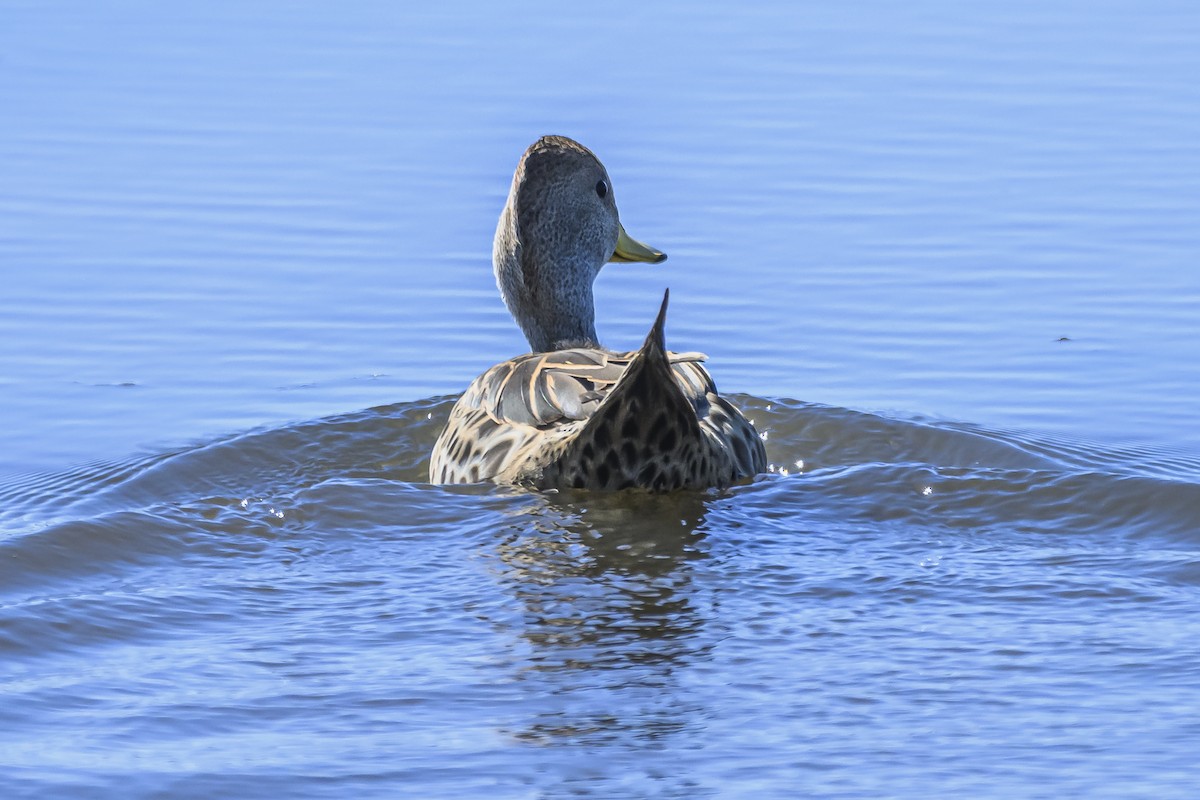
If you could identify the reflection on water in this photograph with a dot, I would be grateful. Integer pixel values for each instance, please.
(609, 608)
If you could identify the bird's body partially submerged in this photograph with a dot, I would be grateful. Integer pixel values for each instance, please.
(586, 418)
(573, 414)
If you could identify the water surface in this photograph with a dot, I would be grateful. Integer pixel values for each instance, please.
(944, 255)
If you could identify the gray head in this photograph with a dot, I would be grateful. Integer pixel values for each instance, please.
(558, 228)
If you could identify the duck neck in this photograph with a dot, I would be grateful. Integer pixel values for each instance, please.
(560, 330)
(553, 304)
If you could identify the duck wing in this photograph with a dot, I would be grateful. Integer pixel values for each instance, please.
(519, 408)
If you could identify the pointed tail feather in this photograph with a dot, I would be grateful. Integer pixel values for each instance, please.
(649, 381)
(640, 432)
(655, 340)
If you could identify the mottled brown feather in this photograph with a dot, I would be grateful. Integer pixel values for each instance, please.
(588, 418)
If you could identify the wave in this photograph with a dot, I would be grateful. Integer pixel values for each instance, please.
(824, 460)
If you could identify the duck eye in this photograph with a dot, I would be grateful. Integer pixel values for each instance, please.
(602, 188)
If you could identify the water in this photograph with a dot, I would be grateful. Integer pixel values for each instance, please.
(944, 255)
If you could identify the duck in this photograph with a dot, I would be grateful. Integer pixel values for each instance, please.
(572, 414)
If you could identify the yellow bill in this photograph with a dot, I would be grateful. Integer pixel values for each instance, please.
(630, 249)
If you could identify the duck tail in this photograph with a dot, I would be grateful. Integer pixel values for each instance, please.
(655, 345)
(648, 383)
(642, 426)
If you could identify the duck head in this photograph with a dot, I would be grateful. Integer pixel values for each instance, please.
(558, 228)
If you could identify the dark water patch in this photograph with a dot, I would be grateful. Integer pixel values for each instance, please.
(989, 501)
(805, 436)
(1145, 460)
(821, 436)
(942, 473)
(27, 497)
(392, 442)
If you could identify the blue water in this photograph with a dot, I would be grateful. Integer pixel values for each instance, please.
(944, 255)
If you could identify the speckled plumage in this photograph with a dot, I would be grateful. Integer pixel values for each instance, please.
(572, 414)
